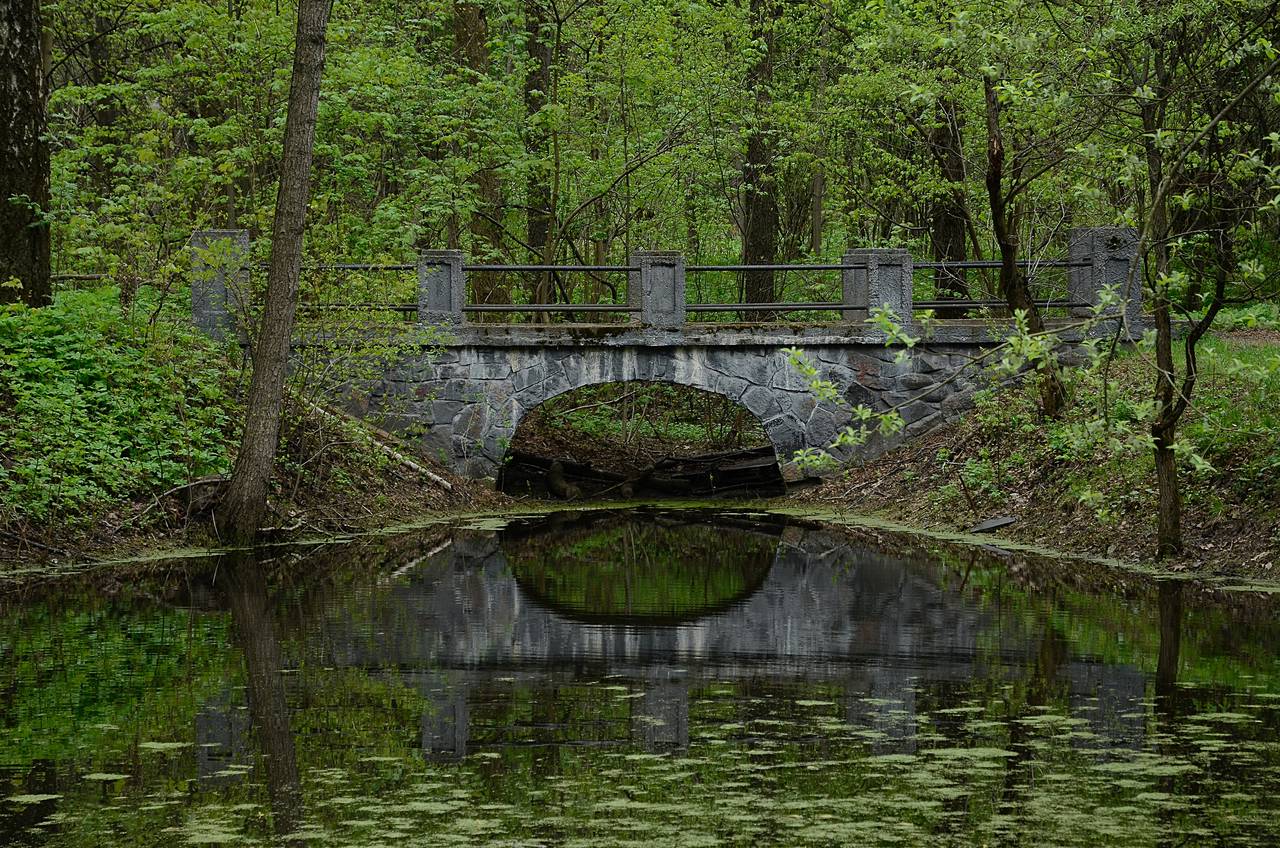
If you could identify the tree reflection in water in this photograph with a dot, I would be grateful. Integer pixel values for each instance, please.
(242, 578)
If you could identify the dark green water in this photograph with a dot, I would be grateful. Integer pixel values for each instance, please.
(640, 678)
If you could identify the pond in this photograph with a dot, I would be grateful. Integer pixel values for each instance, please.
(639, 677)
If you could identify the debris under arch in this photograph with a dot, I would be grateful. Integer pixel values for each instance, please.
(640, 440)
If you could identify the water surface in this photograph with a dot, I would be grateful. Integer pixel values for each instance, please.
(639, 678)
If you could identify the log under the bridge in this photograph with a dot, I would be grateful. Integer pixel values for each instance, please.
(749, 471)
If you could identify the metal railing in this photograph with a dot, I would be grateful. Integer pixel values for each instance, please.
(655, 294)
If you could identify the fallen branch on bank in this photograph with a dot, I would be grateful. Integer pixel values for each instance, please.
(380, 439)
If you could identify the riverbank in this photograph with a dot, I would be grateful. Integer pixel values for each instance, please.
(1002, 461)
(122, 425)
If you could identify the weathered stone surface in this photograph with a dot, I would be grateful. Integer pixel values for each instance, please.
(916, 381)
(957, 403)
(924, 425)
(473, 398)
(914, 412)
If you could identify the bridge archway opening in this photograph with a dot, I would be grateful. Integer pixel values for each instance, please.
(640, 439)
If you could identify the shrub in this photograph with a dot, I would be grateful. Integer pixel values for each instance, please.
(102, 407)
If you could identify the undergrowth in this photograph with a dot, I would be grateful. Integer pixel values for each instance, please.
(103, 407)
(110, 414)
(1005, 457)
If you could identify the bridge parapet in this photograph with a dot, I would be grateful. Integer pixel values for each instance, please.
(656, 294)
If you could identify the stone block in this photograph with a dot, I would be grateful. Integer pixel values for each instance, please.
(916, 411)
(915, 381)
(442, 287)
(444, 411)
(924, 425)
(219, 279)
(956, 403)
(657, 288)
(761, 402)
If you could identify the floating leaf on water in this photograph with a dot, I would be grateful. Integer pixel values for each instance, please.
(971, 753)
(163, 746)
(901, 759)
(1226, 718)
(31, 799)
(105, 776)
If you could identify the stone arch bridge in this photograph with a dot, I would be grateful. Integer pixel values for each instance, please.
(468, 397)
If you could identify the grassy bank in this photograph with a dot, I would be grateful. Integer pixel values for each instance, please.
(120, 423)
(1071, 487)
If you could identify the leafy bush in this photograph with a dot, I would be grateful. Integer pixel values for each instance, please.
(102, 407)
(1257, 316)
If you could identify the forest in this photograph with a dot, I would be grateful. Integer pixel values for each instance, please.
(640, 422)
(977, 136)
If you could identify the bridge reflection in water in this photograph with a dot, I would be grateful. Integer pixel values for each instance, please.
(667, 606)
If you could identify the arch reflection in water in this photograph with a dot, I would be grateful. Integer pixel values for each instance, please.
(865, 688)
(544, 605)
(640, 568)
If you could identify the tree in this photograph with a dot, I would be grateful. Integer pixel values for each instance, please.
(540, 211)
(759, 171)
(244, 504)
(24, 157)
(1198, 68)
(471, 51)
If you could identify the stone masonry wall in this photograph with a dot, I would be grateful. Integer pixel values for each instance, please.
(469, 400)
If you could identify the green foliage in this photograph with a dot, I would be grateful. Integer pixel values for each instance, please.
(1099, 452)
(1258, 316)
(103, 408)
(674, 415)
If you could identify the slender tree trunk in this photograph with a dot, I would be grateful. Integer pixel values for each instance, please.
(24, 157)
(471, 46)
(1013, 282)
(244, 505)
(818, 192)
(537, 85)
(1164, 428)
(760, 202)
(948, 218)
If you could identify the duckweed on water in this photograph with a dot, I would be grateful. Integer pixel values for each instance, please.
(809, 691)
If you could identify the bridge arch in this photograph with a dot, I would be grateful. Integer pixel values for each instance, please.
(774, 428)
(480, 395)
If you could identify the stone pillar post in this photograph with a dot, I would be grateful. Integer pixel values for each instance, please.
(442, 287)
(657, 288)
(1109, 253)
(854, 285)
(219, 279)
(884, 281)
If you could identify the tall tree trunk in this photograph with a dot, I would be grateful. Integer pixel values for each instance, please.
(1013, 282)
(537, 84)
(1164, 428)
(760, 202)
(471, 46)
(245, 503)
(24, 157)
(948, 219)
(818, 188)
